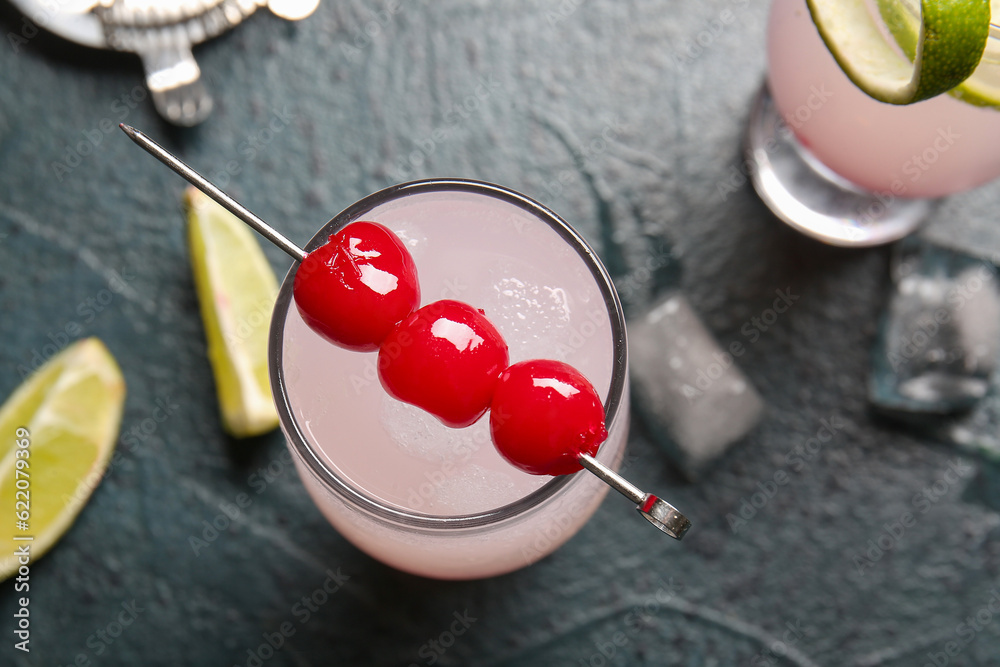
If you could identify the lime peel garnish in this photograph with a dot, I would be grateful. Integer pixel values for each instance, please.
(949, 46)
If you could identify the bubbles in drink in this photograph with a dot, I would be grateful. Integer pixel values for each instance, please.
(533, 316)
(476, 489)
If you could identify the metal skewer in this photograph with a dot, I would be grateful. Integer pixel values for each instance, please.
(202, 183)
(655, 510)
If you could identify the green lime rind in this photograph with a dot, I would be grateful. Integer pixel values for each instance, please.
(982, 88)
(949, 46)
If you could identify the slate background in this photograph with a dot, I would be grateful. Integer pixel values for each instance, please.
(554, 83)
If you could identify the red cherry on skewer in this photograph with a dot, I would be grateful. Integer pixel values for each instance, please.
(356, 288)
(445, 358)
(545, 414)
(547, 419)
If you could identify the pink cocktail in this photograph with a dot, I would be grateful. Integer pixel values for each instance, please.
(393, 480)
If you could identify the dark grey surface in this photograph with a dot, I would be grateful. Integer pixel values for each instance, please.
(551, 85)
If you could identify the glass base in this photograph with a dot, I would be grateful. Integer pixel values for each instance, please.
(810, 197)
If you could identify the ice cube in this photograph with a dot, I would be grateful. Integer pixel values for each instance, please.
(940, 334)
(976, 431)
(421, 434)
(687, 390)
(463, 474)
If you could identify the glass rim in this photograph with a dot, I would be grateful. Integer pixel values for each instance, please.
(350, 492)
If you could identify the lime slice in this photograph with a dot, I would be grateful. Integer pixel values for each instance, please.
(948, 47)
(68, 412)
(236, 291)
(983, 87)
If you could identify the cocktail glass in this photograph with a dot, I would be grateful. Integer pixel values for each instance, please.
(410, 492)
(844, 168)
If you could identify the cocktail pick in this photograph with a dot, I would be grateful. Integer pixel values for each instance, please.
(655, 510)
(658, 512)
(224, 200)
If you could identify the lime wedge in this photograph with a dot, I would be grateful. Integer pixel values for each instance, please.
(983, 87)
(236, 291)
(68, 414)
(946, 50)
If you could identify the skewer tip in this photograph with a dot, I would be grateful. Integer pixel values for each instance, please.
(200, 182)
(657, 511)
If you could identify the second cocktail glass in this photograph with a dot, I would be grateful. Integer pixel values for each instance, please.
(849, 170)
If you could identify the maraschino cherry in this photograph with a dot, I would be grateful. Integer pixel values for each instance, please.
(445, 358)
(544, 414)
(357, 287)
